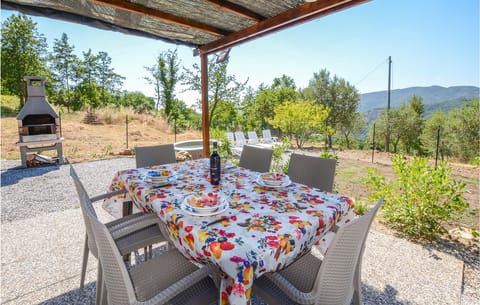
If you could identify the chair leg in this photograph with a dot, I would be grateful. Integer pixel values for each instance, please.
(357, 284)
(84, 262)
(145, 253)
(100, 291)
(150, 248)
(104, 299)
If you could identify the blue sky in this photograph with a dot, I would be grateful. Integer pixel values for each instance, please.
(432, 42)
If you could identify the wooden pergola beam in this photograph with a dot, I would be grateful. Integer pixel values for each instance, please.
(236, 9)
(300, 14)
(151, 12)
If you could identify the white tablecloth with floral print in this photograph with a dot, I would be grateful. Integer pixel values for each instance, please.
(264, 229)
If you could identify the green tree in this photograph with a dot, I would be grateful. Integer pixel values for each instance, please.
(299, 120)
(23, 53)
(223, 88)
(165, 75)
(64, 64)
(429, 135)
(464, 125)
(352, 126)
(267, 98)
(338, 95)
(416, 104)
(137, 100)
(108, 81)
(409, 127)
(405, 126)
(88, 88)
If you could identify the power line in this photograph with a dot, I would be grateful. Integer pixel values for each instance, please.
(373, 70)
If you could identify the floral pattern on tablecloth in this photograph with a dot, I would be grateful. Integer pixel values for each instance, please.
(263, 230)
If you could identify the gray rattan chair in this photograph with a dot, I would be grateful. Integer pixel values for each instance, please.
(154, 155)
(312, 171)
(166, 279)
(335, 280)
(256, 158)
(131, 233)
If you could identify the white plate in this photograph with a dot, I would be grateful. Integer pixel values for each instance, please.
(221, 208)
(285, 183)
(159, 183)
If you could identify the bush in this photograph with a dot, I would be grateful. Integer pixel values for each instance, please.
(278, 164)
(422, 200)
(361, 208)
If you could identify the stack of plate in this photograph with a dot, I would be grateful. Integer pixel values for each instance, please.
(205, 204)
(273, 179)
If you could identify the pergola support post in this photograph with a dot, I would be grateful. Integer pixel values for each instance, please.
(204, 85)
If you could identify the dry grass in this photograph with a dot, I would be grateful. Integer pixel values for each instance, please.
(84, 142)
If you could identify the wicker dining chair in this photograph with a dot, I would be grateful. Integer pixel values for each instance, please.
(165, 279)
(154, 155)
(333, 280)
(131, 233)
(256, 158)
(312, 171)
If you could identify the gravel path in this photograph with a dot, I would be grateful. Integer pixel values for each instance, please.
(42, 235)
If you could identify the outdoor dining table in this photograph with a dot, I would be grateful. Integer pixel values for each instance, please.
(262, 229)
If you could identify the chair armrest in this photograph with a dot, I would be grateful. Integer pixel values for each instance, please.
(181, 285)
(291, 291)
(106, 195)
(132, 223)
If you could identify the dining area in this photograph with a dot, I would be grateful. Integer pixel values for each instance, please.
(43, 237)
(229, 240)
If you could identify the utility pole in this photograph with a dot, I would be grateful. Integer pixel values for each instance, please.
(387, 140)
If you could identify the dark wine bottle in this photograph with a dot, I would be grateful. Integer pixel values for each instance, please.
(215, 166)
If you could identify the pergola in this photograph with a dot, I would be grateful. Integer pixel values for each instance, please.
(208, 26)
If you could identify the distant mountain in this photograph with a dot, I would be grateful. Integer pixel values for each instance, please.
(430, 95)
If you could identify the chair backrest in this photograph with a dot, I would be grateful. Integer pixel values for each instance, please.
(230, 138)
(334, 281)
(252, 138)
(240, 138)
(267, 136)
(86, 205)
(115, 274)
(256, 158)
(154, 155)
(312, 171)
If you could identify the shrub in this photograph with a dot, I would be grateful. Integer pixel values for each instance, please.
(361, 208)
(278, 164)
(422, 200)
(329, 154)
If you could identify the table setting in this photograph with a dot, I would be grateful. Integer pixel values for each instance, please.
(249, 224)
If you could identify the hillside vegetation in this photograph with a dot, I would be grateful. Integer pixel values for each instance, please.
(433, 95)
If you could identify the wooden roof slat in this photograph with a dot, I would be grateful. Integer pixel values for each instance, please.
(300, 14)
(151, 12)
(236, 9)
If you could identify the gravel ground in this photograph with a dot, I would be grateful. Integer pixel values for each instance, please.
(42, 238)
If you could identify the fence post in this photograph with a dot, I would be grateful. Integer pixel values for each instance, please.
(126, 129)
(175, 127)
(373, 142)
(438, 143)
(60, 122)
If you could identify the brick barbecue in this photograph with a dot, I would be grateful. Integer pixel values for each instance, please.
(38, 124)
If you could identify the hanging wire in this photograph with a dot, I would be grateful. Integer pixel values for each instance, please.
(369, 73)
